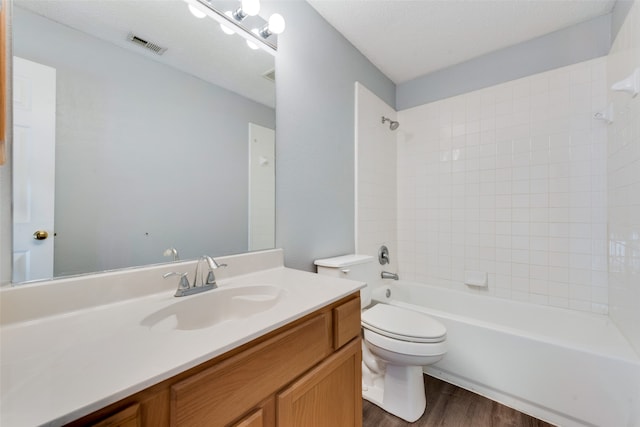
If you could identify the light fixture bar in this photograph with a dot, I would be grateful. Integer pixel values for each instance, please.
(239, 14)
(264, 31)
(242, 31)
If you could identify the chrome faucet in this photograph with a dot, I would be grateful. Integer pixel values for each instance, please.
(211, 278)
(184, 288)
(389, 275)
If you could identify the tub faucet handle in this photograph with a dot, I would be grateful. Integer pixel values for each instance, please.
(383, 255)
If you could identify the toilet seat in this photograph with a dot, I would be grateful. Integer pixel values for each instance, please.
(402, 324)
(404, 348)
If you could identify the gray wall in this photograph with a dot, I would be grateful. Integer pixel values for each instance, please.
(588, 40)
(618, 15)
(316, 73)
(126, 190)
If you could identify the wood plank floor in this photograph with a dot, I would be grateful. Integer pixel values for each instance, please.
(451, 406)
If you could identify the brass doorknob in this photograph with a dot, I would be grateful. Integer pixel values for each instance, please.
(40, 235)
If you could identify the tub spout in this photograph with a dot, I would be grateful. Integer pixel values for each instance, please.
(388, 275)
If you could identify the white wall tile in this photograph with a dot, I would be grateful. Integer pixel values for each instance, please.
(518, 187)
(377, 223)
(623, 179)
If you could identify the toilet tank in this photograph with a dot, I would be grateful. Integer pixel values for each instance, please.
(354, 267)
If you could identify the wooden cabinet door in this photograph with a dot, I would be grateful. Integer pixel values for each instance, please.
(329, 395)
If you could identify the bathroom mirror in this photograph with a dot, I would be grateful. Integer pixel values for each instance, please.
(142, 151)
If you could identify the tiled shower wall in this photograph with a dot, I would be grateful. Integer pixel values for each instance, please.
(375, 176)
(510, 181)
(624, 184)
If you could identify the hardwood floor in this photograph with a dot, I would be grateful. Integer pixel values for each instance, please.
(451, 406)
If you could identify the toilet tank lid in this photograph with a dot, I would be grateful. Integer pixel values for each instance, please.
(343, 261)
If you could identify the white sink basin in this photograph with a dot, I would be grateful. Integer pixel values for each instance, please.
(213, 307)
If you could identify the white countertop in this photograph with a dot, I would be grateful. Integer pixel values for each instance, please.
(61, 367)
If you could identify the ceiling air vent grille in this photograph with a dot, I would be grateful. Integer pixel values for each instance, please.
(270, 75)
(146, 44)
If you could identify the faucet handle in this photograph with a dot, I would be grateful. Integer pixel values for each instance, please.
(211, 278)
(213, 264)
(184, 280)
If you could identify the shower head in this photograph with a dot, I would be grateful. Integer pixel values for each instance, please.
(393, 125)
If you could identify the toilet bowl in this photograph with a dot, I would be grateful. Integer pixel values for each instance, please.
(397, 343)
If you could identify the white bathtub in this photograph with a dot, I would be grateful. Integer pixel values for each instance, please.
(566, 367)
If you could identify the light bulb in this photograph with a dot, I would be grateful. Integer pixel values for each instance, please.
(252, 44)
(227, 28)
(196, 12)
(251, 7)
(276, 23)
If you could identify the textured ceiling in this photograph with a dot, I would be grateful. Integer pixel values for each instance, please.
(406, 39)
(195, 46)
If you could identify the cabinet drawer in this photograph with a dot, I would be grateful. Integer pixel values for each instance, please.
(236, 385)
(346, 321)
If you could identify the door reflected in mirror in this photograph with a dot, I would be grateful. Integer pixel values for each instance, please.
(125, 152)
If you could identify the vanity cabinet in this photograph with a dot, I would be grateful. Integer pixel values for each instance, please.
(306, 373)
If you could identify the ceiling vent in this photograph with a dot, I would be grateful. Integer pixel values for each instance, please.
(146, 44)
(270, 75)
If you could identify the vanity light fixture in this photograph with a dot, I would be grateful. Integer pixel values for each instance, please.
(275, 25)
(244, 21)
(248, 8)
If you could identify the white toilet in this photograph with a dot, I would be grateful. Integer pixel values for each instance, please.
(397, 342)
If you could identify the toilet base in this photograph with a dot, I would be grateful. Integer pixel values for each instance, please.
(399, 391)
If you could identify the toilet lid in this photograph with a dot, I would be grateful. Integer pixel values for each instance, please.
(403, 324)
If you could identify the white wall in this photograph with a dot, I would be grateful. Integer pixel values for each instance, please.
(376, 202)
(623, 173)
(509, 180)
